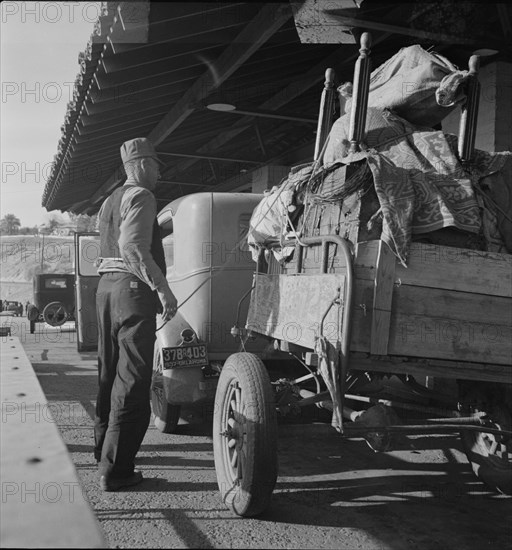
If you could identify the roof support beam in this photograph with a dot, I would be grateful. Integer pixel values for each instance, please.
(133, 77)
(268, 21)
(271, 114)
(296, 88)
(132, 94)
(194, 156)
(385, 27)
(284, 96)
(148, 53)
(96, 138)
(157, 100)
(214, 173)
(244, 179)
(260, 139)
(194, 27)
(119, 123)
(156, 106)
(240, 181)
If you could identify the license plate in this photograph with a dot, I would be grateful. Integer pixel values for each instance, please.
(185, 356)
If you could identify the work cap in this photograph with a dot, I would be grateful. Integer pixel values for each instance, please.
(138, 148)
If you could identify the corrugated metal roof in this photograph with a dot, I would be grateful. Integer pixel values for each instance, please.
(150, 69)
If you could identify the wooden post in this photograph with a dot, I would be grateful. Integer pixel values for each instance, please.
(360, 95)
(325, 113)
(382, 298)
(469, 115)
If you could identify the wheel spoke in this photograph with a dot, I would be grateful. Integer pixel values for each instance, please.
(234, 457)
(238, 398)
(232, 443)
(231, 422)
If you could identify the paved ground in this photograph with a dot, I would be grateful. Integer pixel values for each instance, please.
(331, 493)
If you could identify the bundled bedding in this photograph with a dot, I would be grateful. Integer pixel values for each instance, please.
(406, 184)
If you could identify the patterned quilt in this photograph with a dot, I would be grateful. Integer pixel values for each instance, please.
(419, 181)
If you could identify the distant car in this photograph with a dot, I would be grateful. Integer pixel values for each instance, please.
(14, 307)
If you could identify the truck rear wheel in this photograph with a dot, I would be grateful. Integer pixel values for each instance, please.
(245, 435)
(166, 416)
(55, 314)
(490, 455)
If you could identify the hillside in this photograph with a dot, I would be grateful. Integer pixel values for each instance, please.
(23, 256)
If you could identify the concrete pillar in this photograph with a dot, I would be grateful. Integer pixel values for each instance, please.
(267, 176)
(494, 126)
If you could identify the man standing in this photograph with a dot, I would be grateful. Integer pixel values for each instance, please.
(131, 290)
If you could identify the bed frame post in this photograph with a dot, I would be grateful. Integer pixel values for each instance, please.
(469, 115)
(360, 94)
(326, 112)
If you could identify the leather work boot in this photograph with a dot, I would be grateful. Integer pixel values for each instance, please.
(116, 483)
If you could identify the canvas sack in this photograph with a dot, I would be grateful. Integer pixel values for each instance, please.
(407, 84)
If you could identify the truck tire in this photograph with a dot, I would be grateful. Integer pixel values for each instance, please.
(245, 435)
(165, 416)
(490, 455)
(55, 314)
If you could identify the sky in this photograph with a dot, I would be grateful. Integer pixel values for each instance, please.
(40, 43)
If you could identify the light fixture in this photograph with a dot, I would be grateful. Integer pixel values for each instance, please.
(221, 107)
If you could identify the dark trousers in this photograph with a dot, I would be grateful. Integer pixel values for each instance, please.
(127, 326)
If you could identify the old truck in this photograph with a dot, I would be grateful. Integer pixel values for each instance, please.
(345, 317)
(339, 323)
(54, 299)
(209, 268)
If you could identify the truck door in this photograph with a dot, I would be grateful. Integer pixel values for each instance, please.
(87, 251)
